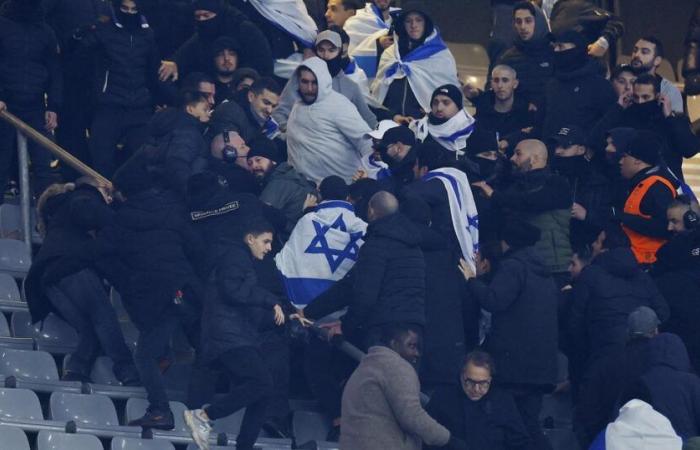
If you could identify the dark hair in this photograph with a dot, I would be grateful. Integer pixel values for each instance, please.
(584, 253)
(243, 73)
(352, 4)
(618, 69)
(344, 37)
(649, 79)
(256, 226)
(430, 155)
(188, 97)
(658, 45)
(480, 358)
(525, 5)
(191, 81)
(393, 331)
(265, 83)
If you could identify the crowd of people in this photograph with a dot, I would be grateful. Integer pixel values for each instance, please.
(281, 183)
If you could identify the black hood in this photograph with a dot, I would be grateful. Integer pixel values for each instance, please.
(619, 262)
(397, 227)
(530, 257)
(169, 120)
(668, 350)
(149, 209)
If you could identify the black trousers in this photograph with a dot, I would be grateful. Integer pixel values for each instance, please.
(528, 400)
(251, 389)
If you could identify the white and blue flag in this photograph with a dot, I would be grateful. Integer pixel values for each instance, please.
(451, 135)
(322, 248)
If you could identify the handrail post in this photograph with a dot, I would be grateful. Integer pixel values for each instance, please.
(25, 191)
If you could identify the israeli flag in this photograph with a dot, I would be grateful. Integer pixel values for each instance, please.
(322, 248)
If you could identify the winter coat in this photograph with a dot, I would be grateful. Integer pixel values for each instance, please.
(171, 21)
(281, 42)
(237, 178)
(182, 149)
(68, 245)
(532, 61)
(587, 18)
(29, 65)
(230, 116)
(381, 406)
(326, 137)
(492, 423)
(580, 97)
(605, 293)
(542, 199)
(66, 16)
(148, 254)
(389, 276)
(234, 301)
(342, 84)
(286, 190)
(195, 54)
(522, 299)
(127, 64)
(673, 390)
(508, 125)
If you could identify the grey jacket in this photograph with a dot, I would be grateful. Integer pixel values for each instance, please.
(381, 407)
(286, 190)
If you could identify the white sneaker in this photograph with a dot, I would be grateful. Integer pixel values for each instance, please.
(199, 427)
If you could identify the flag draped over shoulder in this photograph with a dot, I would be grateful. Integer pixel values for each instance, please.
(465, 217)
(452, 135)
(322, 248)
(291, 16)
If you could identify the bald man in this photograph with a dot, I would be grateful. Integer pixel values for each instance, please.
(228, 158)
(540, 198)
(503, 109)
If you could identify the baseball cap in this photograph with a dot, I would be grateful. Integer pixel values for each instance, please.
(330, 36)
(568, 136)
(382, 127)
(642, 322)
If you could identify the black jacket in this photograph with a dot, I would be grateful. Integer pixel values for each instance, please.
(522, 299)
(605, 293)
(670, 387)
(182, 150)
(237, 178)
(510, 125)
(67, 16)
(29, 65)
(195, 54)
(126, 64)
(68, 245)
(234, 300)
(587, 18)
(400, 99)
(492, 423)
(148, 254)
(580, 97)
(171, 21)
(532, 61)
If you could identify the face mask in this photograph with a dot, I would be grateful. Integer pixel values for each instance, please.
(645, 110)
(569, 60)
(129, 21)
(335, 65)
(209, 29)
(569, 166)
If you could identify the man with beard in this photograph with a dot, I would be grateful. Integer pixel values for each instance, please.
(330, 48)
(540, 198)
(578, 94)
(590, 189)
(651, 110)
(225, 62)
(448, 123)
(30, 84)
(229, 159)
(213, 19)
(647, 55)
(283, 187)
(622, 78)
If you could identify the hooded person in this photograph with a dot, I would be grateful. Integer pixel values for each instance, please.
(329, 48)
(325, 132)
(414, 66)
(448, 123)
(369, 31)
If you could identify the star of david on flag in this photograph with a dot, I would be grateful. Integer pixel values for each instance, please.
(334, 256)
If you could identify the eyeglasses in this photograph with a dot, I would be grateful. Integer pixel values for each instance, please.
(481, 385)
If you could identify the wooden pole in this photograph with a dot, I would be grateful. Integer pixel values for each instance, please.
(54, 148)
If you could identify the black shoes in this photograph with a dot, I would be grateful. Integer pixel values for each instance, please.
(160, 420)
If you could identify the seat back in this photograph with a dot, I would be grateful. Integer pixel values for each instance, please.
(8, 289)
(14, 258)
(88, 409)
(29, 365)
(51, 330)
(20, 404)
(309, 426)
(124, 443)
(52, 440)
(13, 438)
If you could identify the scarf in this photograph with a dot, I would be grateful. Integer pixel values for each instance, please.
(452, 134)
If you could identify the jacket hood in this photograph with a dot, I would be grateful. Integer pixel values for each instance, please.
(668, 350)
(323, 76)
(530, 257)
(169, 120)
(619, 262)
(397, 227)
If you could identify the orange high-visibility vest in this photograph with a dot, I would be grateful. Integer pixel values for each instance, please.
(644, 247)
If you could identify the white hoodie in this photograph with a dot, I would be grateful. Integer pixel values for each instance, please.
(326, 137)
(640, 427)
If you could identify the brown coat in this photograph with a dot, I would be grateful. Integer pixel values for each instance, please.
(381, 407)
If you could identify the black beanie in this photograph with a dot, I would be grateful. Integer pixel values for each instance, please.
(451, 91)
(333, 188)
(224, 43)
(262, 146)
(519, 234)
(646, 147)
(399, 134)
(214, 6)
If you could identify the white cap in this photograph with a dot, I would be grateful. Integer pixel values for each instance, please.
(330, 36)
(382, 127)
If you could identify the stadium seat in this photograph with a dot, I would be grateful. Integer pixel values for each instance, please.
(21, 408)
(11, 223)
(122, 443)
(52, 334)
(92, 414)
(14, 258)
(104, 382)
(13, 438)
(9, 292)
(48, 440)
(309, 426)
(6, 339)
(33, 370)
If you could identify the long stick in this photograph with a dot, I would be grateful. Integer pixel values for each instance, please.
(51, 146)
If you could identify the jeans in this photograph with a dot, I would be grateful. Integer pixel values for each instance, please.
(251, 389)
(82, 301)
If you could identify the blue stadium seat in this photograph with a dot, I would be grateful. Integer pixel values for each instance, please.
(92, 414)
(52, 334)
(9, 292)
(48, 440)
(33, 370)
(121, 443)
(21, 408)
(14, 258)
(13, 438)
